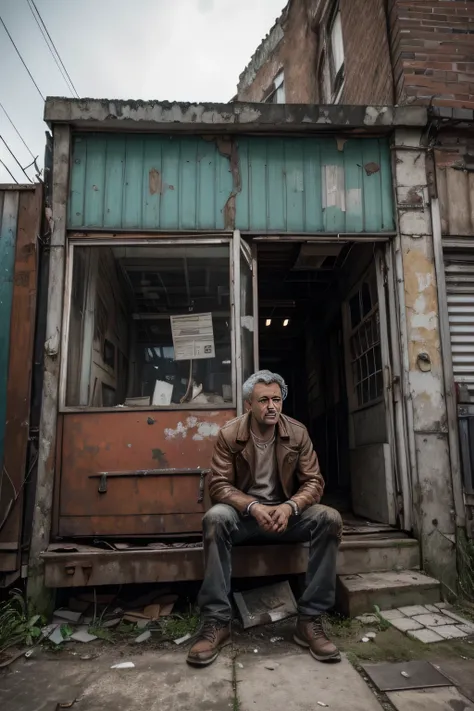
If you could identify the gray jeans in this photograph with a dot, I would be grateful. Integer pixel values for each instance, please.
(224, 527)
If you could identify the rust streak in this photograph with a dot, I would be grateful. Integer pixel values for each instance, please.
(155, 183)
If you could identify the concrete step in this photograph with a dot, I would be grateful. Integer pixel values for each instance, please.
(374, 555)
(359, 593)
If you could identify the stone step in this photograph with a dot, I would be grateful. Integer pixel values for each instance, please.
(374, 555)
(359, 593)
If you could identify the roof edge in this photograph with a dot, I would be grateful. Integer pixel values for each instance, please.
(238, 117)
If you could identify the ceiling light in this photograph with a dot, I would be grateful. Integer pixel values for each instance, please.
(268, 322)
(286, 322)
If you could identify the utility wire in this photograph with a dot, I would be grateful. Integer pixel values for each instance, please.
(49, 47)
(16, 130)
(22, 60)
(64, 71)
(9, 172)
(15, 158)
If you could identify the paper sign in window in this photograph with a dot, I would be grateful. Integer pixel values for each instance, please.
(193, 336)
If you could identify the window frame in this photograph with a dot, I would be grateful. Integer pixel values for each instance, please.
(88, 240)
(276, 87)
(350, 332)
(326, 64)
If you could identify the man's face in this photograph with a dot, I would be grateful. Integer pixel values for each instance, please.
(266, 403)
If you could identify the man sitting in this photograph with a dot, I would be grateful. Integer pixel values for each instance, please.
(265, 482)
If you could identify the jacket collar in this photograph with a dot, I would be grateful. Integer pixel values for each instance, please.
(243, 433)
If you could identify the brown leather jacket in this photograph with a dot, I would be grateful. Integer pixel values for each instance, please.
(233, 463)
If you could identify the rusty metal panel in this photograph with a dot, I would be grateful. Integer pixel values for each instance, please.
(94, 444)
(20, 331)
(252, 183)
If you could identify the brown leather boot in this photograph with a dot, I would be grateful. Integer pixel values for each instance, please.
(212, 637)
(310, 633)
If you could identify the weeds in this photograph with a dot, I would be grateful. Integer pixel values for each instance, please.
(177, 626)
(17, 627)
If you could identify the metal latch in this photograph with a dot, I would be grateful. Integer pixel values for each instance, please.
(103, 483)
(201, 485)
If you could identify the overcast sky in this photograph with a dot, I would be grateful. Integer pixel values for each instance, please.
(184, 50)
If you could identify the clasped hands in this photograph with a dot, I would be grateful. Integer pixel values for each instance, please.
(272, 519)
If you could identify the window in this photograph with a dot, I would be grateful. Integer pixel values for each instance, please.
(365, 349)
(277, 92)
(150, 326)
(331, 61)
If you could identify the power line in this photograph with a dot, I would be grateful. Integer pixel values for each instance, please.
(16, 130)
(22, 60)
(60, 65)
(48, 46)
(9, 172)
(14, 157)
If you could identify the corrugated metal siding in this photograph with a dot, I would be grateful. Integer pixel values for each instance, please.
(459, 271)
(150, 182)
(8, 225)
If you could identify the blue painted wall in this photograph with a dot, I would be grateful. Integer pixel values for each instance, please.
(8, 224)
(155, 182)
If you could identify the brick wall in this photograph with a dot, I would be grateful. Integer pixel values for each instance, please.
(432, 45)
(367, 65)
(368, 69)
(295, 54)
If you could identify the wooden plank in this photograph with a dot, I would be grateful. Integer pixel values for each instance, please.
(49, 409)
(22, 330)
(458, 201)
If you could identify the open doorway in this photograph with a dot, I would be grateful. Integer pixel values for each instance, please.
(320, 327)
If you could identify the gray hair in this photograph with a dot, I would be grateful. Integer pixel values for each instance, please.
(267, 377)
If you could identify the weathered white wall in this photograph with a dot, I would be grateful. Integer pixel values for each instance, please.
(422, 360)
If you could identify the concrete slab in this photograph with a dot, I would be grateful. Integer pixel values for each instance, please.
(450, 632)
(161, 682)
(460, 673)
(412, 610)
(426, 636)
(432, 620)
(299, 683)
(42, 683)
(357, 594)
(392, 614)
(446, 698)
(404, 624)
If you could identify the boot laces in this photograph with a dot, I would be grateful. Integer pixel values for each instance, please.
(317, 627)
(209, 631)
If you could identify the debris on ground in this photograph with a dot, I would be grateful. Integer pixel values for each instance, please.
(276, 639)
(261, 606)
(56, 636)
(68, 615)
(83, 636)
(123, 665)
(143, 637)
(184, 639)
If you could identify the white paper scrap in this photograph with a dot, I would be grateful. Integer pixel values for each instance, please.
(193, 336)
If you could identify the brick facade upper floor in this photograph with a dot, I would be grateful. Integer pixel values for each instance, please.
(366, 51)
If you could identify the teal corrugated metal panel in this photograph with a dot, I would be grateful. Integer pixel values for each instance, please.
(8, 224)
(292, 184)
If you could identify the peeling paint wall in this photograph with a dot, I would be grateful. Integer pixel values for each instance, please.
(425, 400)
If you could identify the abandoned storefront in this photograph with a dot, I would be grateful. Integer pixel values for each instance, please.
(195, 244)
